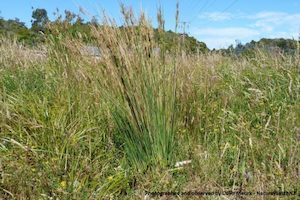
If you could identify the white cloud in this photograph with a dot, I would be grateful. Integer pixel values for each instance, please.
(223, 37)
(267, 15)
(230, 32)
(216, 16)
(268, 24)
(268, 21)
(220, 42)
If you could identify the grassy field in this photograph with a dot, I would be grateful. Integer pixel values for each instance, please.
(76, 127)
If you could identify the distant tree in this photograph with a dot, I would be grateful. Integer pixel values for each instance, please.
(169, 39)
(239, 48)
(269, 45)
(69, 16)
(14, 28)
(58, 16)
(40, 19)
(94, 21)
(79, 20)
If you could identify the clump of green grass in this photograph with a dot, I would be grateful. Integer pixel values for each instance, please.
(145, 85)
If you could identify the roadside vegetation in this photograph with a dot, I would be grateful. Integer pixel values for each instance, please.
(81, 127)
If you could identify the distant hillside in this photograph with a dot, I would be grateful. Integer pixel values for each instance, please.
(278, 44)
(73, 25)
(15, 28)
(191, 44)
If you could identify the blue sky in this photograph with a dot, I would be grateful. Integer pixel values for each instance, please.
(216, 22)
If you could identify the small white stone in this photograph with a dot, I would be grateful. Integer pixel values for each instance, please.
(181, 163)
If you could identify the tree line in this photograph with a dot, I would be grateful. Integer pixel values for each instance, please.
(73, 25)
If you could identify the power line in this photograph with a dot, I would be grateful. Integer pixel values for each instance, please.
(185, 24)
(230, 5)
(224, 10)
(201, 9)
(191, 4)
(191, 7)
(205, 5)
(211, 4)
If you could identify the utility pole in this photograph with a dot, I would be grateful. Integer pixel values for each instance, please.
(298, 44)
(185, 25)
